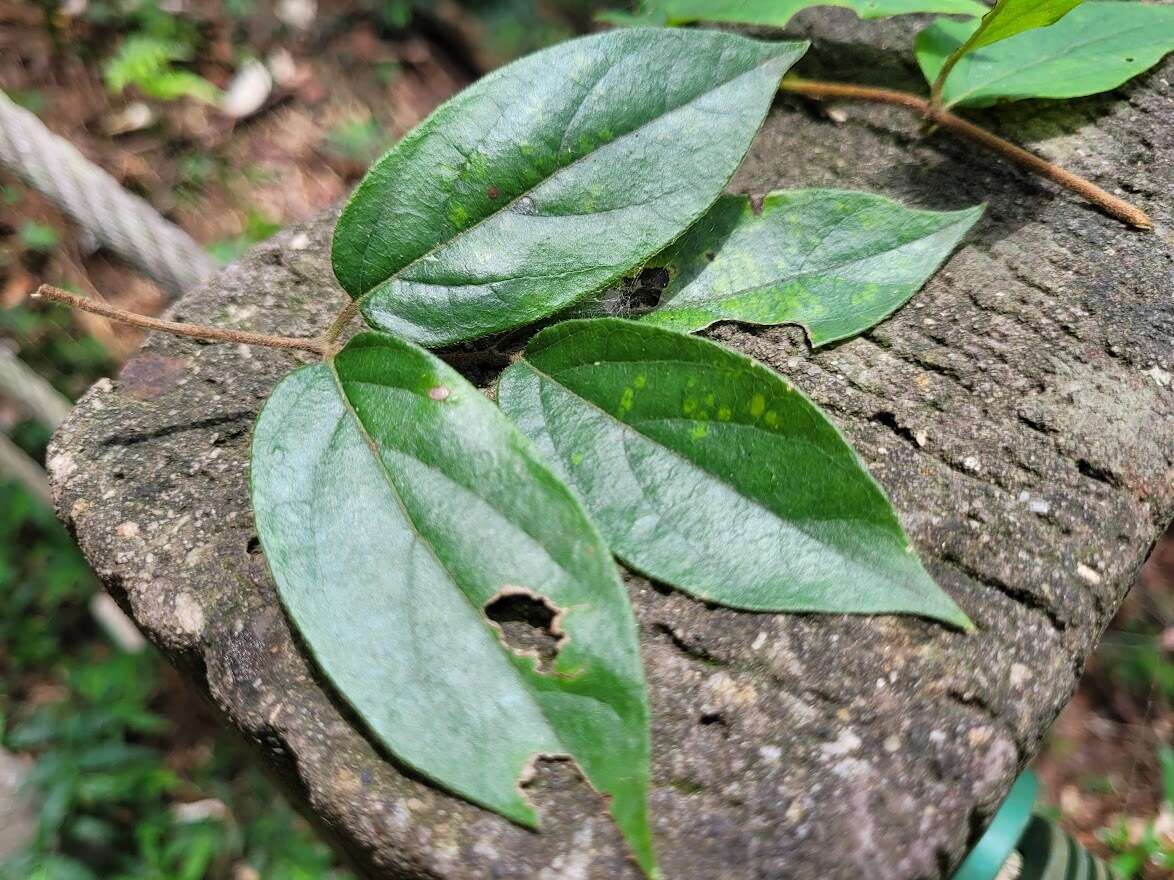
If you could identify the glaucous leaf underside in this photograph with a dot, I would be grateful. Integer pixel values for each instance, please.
(550, 178)
(833, 261)
(394, 503)
(708, 471)
(1094, 48)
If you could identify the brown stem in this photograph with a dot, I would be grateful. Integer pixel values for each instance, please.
(330, 337)
(197, 331)
(824, 91)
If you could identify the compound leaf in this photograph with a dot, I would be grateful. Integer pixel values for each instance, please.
(708, 471)
(836, 262)
(395, 505)
(776, 13)
(1094, 48)
(550, 178)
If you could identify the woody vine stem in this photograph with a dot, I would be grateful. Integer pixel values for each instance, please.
(931, 112)
(319, 346)
(325, 346)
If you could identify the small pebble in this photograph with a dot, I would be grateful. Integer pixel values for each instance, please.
(1089, 574)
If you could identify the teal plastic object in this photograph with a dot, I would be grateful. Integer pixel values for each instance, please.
(1050, 854)
(1004, 832)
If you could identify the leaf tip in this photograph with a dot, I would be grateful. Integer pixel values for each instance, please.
(962, 622)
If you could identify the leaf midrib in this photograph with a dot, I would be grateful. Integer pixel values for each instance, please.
(1047, 59)
(363, 297)
(735, 490)
(399, 501)
(800, 273)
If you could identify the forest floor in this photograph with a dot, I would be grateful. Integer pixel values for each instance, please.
(133, 777)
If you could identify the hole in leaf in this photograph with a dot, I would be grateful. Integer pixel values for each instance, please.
(645, 291)
(529, 624)
(710, 256)
(654, 279)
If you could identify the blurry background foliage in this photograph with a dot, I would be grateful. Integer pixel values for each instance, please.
(128, 775)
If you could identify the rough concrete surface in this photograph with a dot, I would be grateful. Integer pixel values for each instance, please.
(1019, 411)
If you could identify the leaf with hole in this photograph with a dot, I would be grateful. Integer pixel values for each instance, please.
(708, 471)
(834, 261)
(550, 178)
(1094, 48)
(395, 504)
(777, 13)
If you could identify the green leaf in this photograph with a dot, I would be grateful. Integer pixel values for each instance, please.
(835, 262)
(708, 471)
(1096, 47)
(394, 504)
(776, 13)
(1166, 762)
(551, 177)
(1006, 19)
(1011, 17)
(147, 62)
(38, 237)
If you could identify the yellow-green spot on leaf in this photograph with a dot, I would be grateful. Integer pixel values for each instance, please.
(865, 295)
(689, 406)
(457, 215)
(724, 414)
(621, 165)
(765, 520)
(626, 399)
(576, 458)
(640, 381)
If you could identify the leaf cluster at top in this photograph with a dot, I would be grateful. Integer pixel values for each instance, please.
(1017, 49)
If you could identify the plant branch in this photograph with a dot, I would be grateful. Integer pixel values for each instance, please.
(825, 91)
(330, 337)
(935, 90)
(196, 331)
